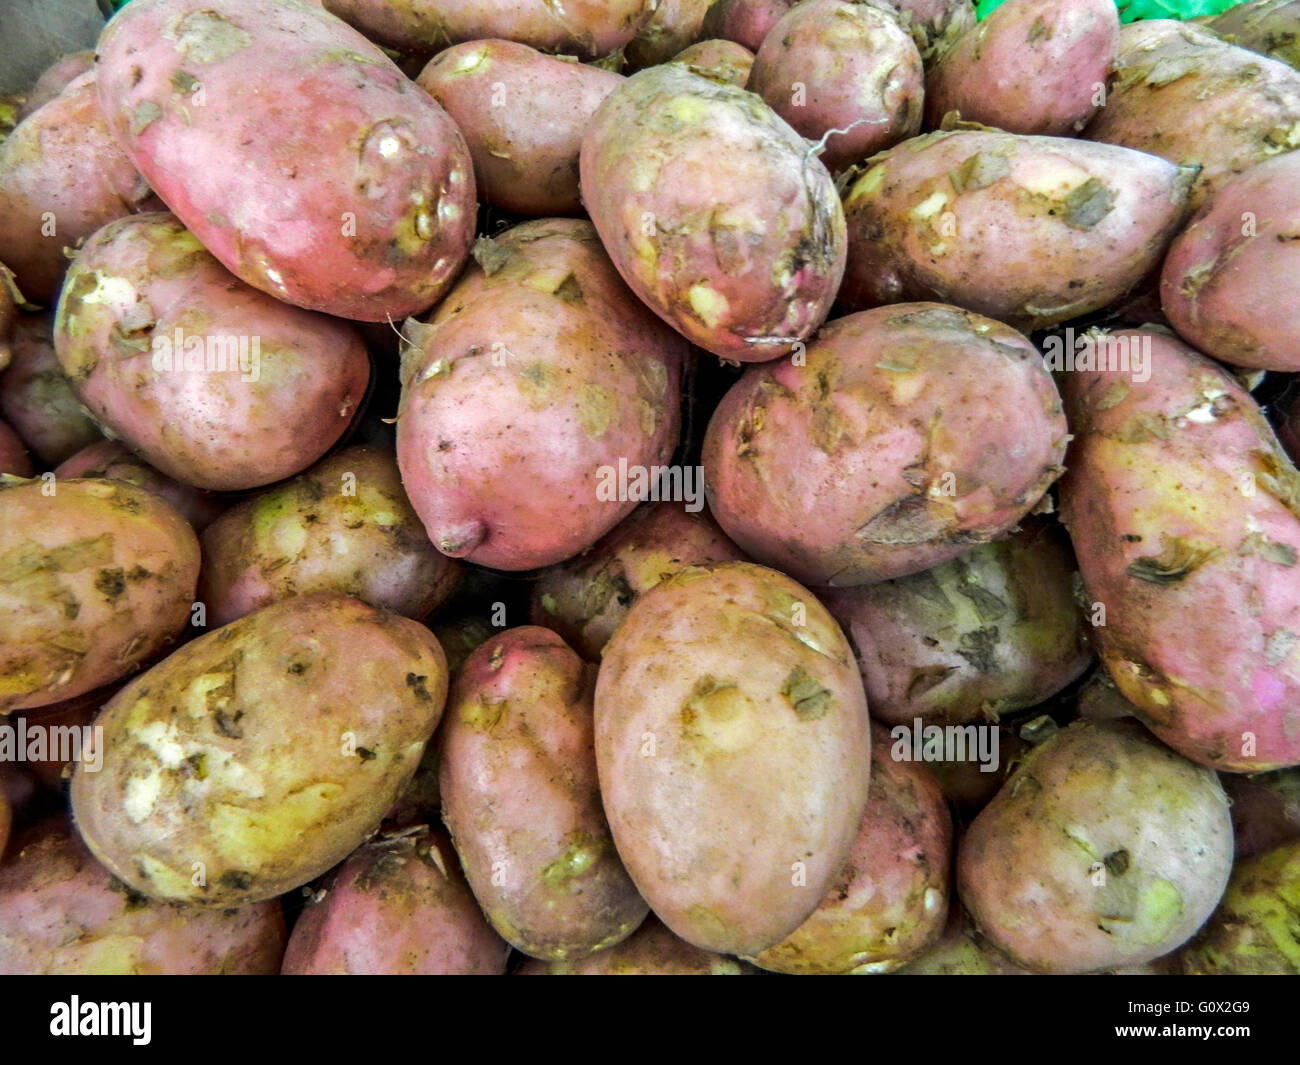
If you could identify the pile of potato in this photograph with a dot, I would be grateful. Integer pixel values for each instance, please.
(518, 487)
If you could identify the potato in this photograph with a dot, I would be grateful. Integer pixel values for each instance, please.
(1183, 512)
(1270, 27)
(14, 459)
(110, 460)
(1032, 66)
(1229, 284)
(733, 748)
(10, 298)
(747, 22)
(62, 913)
(674, 26)
(890, 901)
(1029, 230)
(744, 260)
(962, 951)
(969, 783)
(1254, 931)
(586, 599)
(651, 950)
(343, 526)
(877, 453)
(576, 27)
(257, 756)
(991, 632)
(1184, 94)
(294, 149)
(718, 60)
(55, 78)
(846, 74)
(521, 799)
(1265, 810)
(935, 25)
(36, 397)
(213, 383)
(398, 907)
(1103, 849)
(62, 176)
(532, 385)
(96, 577)
(523, 115)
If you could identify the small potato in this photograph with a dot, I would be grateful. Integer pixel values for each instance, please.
(398, 907)
(343, 526)
(259, 755)
(675, 25)
(96, 577)
(62, 913)
(1104, 849)
(651, 950)
(14, 459)
(110, 460)
(747, 22)
(523, 115)
(521, 799)
(733, 746)
(1265, 809)
(717, 60)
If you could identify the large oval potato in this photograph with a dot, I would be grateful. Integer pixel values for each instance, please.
(522, 802)
(215, 384)
(743, 260)
(295, 150)
(259, 755)
(734, 751)
(96, 577)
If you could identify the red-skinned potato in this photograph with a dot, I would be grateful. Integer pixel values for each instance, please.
(213, 383)
(651, 950)
(870, 456)
(675, 25)
(343, 189)
(111, 460)
(260, 755)
(55, 78)
(718, 60)
(14, 459)
(747, 22)
(523, 115)
(399, 906)
(521, 799)
(743, 261)
(96, 577)
(532, 385)
(733, 746)
(1265, 809)
(61, 912)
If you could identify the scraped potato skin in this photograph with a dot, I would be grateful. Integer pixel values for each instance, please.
(722, 680)
(343, 526)
(111, 460)
(61, 164)
(1183, 508)
(1270, 27)
(36, 397)
(522, 802)
(540, 371)
(586, 599)
(259, 755)
(62, 913)
(14, 459)
(96, 577)
(342, 187)
(523, 115)
(890, 901)
(1184, 94)
(398, 907)
(1104, 849)
(1032, 66)
(1028, 230)
(993, 631)
(718, 60)
(588, 28)
(743, 260)
(1228, 284)
(144, 282)
(900, 439)
(651, 950)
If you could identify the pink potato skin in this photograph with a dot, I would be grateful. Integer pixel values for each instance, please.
(746, 22)
(55, 78)
(1186, 95)
(881, 455)
(651, 950)
(1182, 509)
(523, 115)
(521, 799)
(1031, 231)
(63, 913)
(110, 459)
(98, 577)
(13, 455)
(1032, 66)
(1232, 290)
(62, 162)
(342, 187)
(36, 397)
(744, 260)
(855, 63)
(539, 370)
(718, 60)
(141, 280)
(399, 906)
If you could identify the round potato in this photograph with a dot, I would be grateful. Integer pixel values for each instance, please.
(717, 60)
